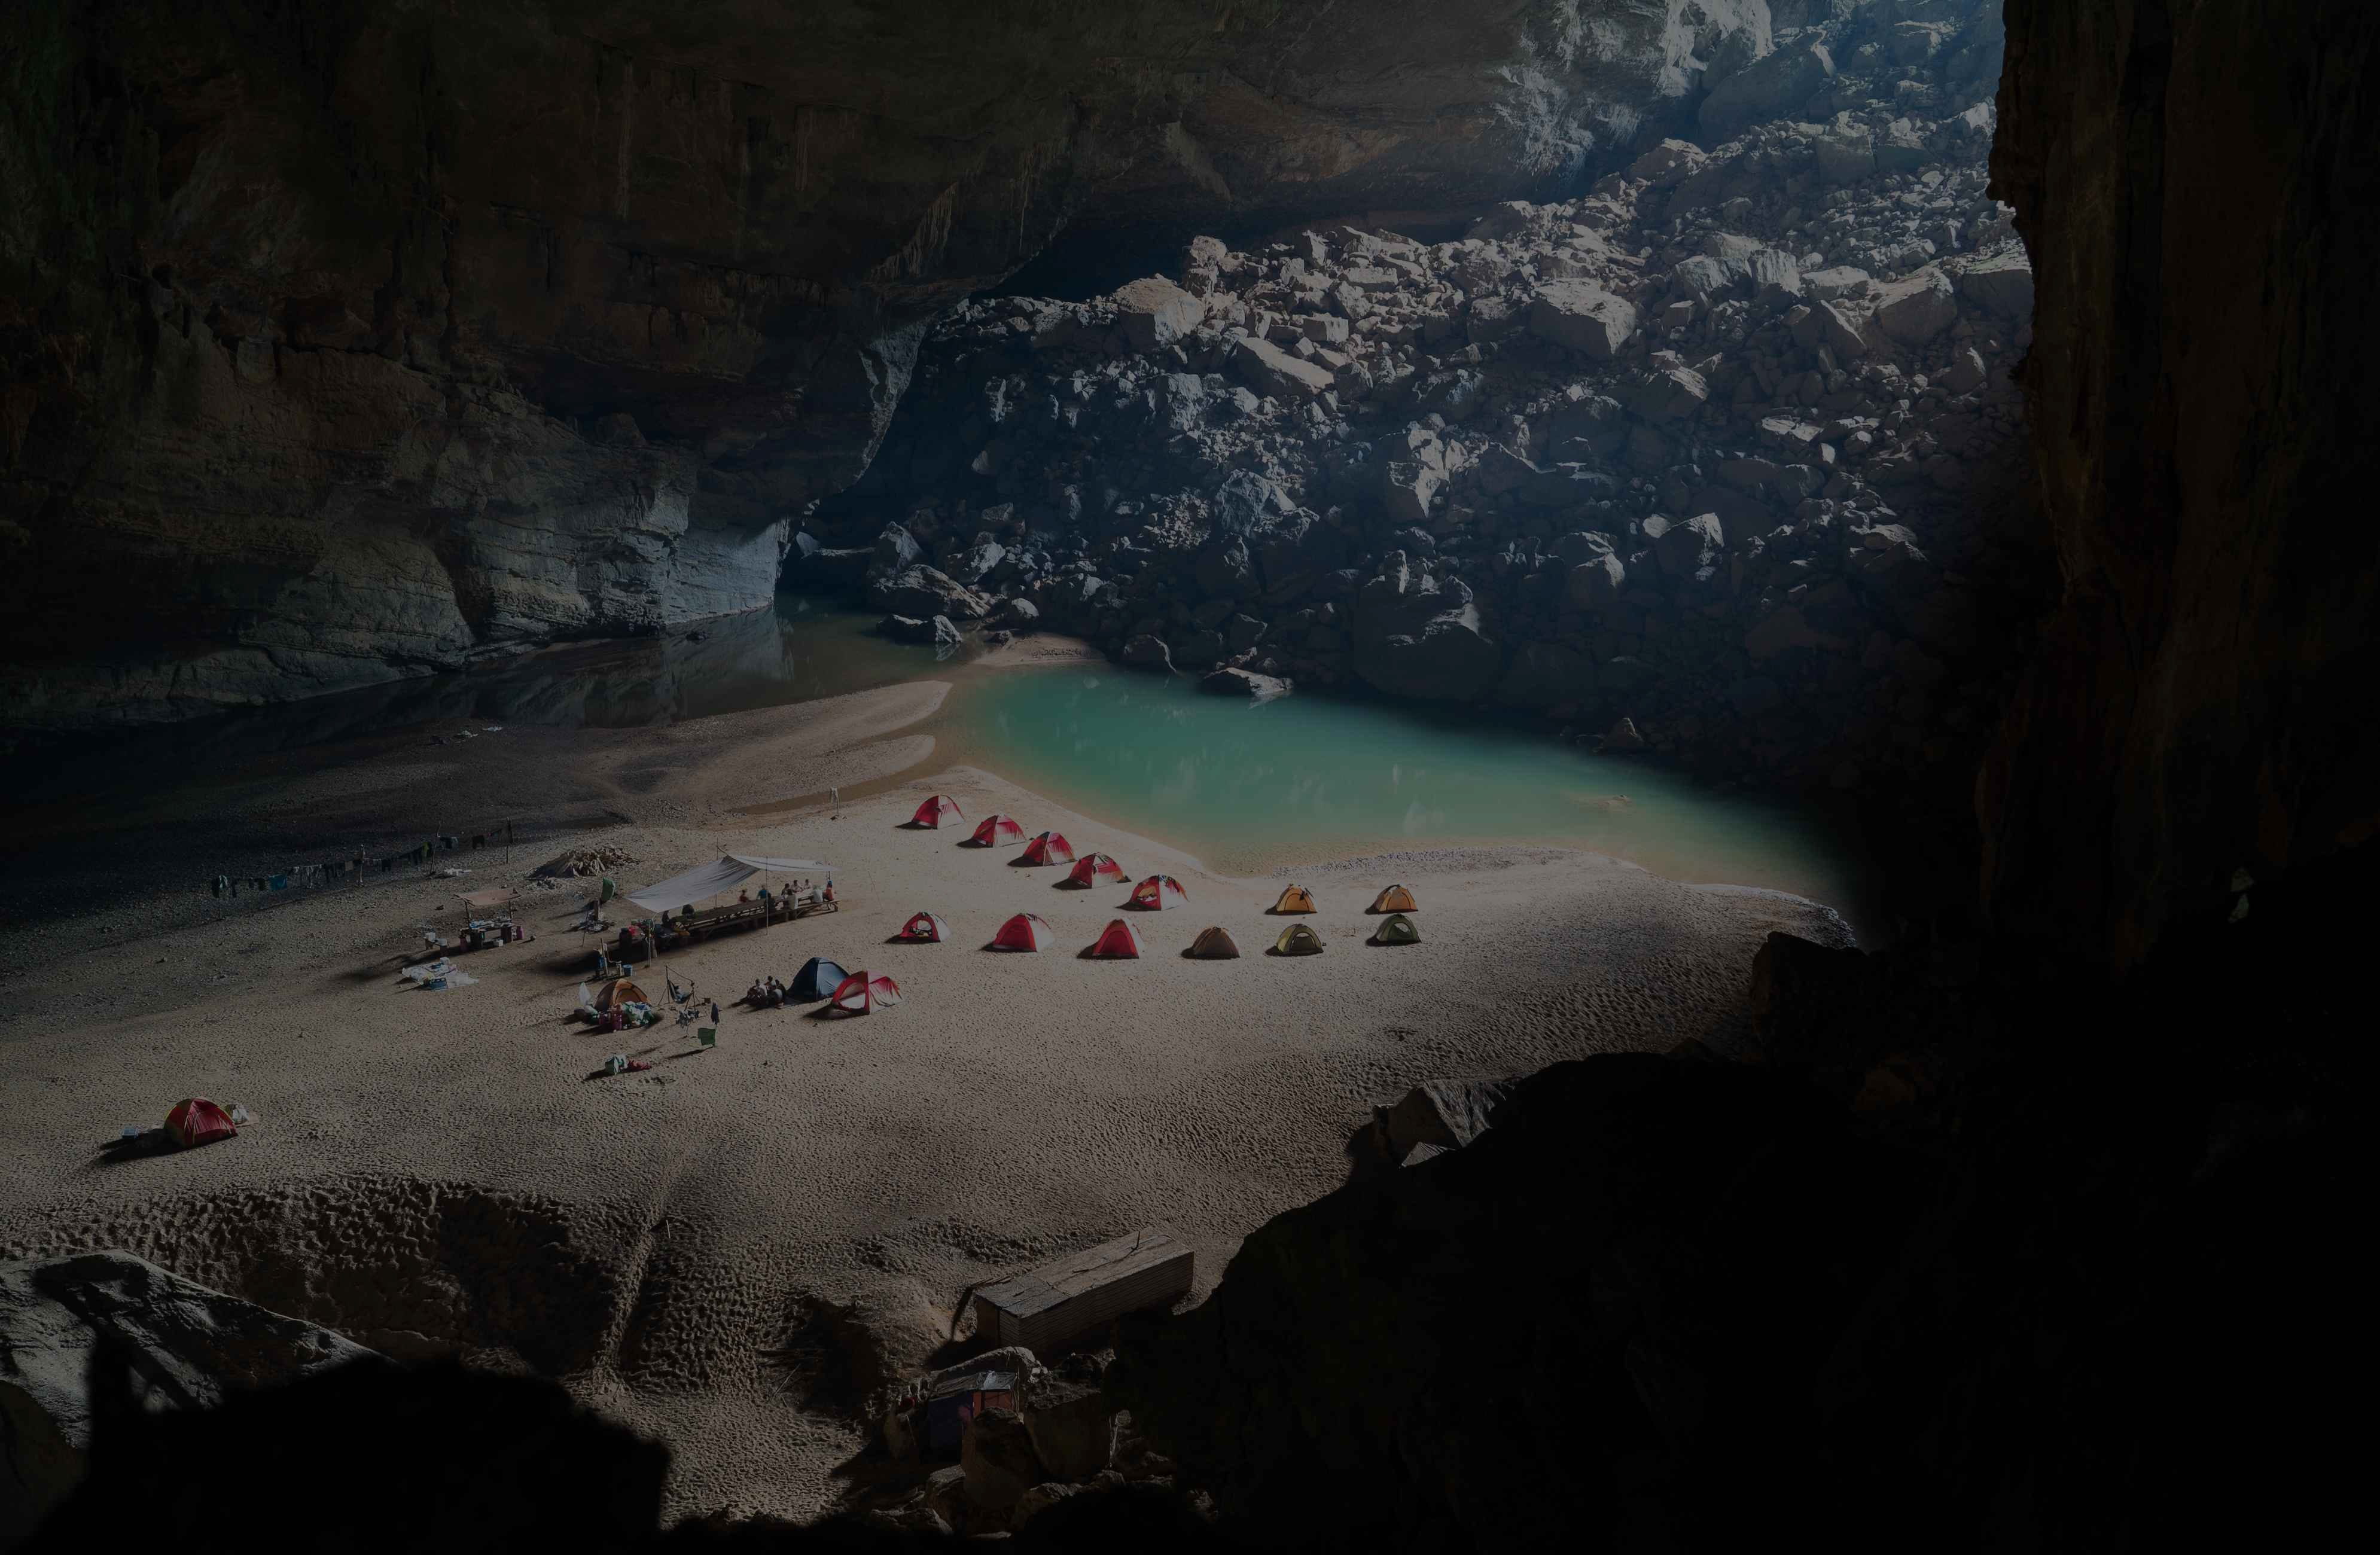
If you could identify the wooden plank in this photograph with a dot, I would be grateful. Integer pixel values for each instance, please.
(1148, 1268)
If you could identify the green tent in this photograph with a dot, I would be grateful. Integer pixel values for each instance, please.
(1396, 930)
(610, 888)
(1297, 939)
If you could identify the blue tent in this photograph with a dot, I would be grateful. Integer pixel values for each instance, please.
(816, 980)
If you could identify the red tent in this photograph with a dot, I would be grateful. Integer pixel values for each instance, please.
(1093, 867)
(197, 1121)
(863, 992)
(930, 813)
(1049, 847)
(1159, 891)
(1117, 943)
(1026, 931)
(926, 927)
(997, 831)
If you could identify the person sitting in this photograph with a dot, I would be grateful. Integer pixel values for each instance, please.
(830, 892)
(742, 897)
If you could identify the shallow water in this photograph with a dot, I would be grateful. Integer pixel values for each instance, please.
(1249, 787)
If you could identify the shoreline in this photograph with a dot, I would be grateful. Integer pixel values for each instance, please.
(654, 1238)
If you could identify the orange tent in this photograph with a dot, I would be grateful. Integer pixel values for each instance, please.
(1093, 867)
(936, 807)
(1026, 931)
(926, 927)
(863, 992)
(997, 831)
(1117, 943)
(1395, 899)
(197, 1121)
(1158, 892)
(1049, 847)
(1294, 899)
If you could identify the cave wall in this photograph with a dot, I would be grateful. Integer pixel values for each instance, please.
(341, 341)
(2196, 182)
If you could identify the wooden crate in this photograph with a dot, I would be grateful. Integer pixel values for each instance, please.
(1072, 1295)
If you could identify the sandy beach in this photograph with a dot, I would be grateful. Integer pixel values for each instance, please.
(728, 1250)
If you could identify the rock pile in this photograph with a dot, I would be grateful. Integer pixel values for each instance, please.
(1720, 448)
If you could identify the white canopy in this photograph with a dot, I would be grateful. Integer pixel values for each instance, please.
(701, 883)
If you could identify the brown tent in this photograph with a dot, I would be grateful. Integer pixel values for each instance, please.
(1215, 944)
(618, 991)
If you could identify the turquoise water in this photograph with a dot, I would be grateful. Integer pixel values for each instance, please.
(1303, 778)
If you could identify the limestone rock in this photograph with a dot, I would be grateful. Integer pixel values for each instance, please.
(1420, 638)
(1271, 370)
(1582, 316)
(1148, 652)
(924, 592)
(190, 1346)
(1767, 88)
(1914, 311)
(1153, 311)
(1245, 685)
(2001, 285)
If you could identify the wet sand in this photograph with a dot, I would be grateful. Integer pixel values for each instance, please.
(727, 1251)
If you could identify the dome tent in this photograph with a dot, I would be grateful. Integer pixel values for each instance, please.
(936, 808)
(1026, 931)
(1215, 944)
(1158, 892)
(1396, 930)
(1297, 939)
(197, 1121)
(924, 928)
(1091, 868)
(1395, 899)
(1116, 942)
(1048, 847)
(1294, 899)
(863, 992)
(817, 979)
(997, 831)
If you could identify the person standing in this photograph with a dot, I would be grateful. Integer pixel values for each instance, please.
(714, 1012)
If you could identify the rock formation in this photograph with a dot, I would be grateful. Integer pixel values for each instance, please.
(349, 342)
(64, 1321)
(1727, 447)
(2206, 382)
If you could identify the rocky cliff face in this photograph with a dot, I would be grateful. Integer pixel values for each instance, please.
(2198, 181)
(1727, 449)
(344, 341)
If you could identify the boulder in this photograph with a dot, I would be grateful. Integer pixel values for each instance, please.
(1245, 685)
(1408, 489)
(1020, 614)
(1246, 500)
(1271, 370)
(1420, 637)
(1072, 1424)
(1666, 394)
(1039, 1500)
(997, 1458)
(1668, 163)
(970, 565)
(187, 1347)
(1597, 583)
(1580, 315)
(907, 629)
(1966, 372)
(1835, 281)
(1683, 546)
(1845, 156)
(1621, 737)
(2001, 285)
(1914, 310)
(1153, 311)
(1147, 651)
(924, 592)
(1765, 89)
(895, 550)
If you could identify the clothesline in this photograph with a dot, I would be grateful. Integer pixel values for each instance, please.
(352, 871)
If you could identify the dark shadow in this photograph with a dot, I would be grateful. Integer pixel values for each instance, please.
(915, 826)
(372, 1456)
(1070, 883)
(1021, 862)
(120, 1151)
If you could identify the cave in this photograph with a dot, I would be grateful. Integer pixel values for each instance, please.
(1810, 545)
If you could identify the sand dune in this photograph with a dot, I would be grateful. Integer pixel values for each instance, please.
(728, 1250)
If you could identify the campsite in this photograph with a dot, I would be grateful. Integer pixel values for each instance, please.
(1010, 1109)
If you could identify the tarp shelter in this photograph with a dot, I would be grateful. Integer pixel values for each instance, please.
(863, 992)
(936, 808)
(1049, 847)
(1061, 1299)
(927, 928)
(1396, 930)
(1215, 944)
(1294, 899)
(197, 1121)
(1093, 867)
(703, 882)
(997, 831)
(1158, 892)
(1395, 899)
(619, 991)
(817, 979)
(1026, 931)
(1118, 942)
(489, 900)
(955, 1403)
(1297, 939)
